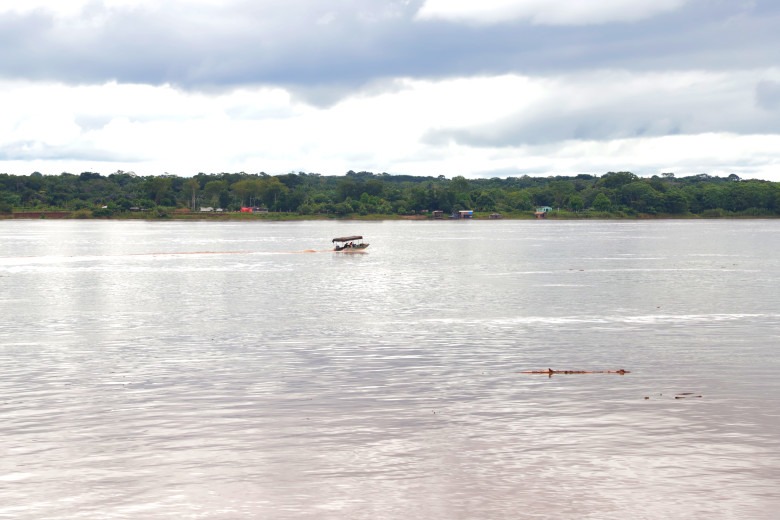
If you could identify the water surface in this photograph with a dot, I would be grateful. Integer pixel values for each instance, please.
(219, 370)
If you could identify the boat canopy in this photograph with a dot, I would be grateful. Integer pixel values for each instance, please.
(348, 239)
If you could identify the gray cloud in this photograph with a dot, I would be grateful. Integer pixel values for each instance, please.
(768, 94)
(704, 76)
(536, 129)
(36, 150)
(92, 122)
(323, 50)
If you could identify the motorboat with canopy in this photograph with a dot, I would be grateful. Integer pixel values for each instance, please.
(349, 244)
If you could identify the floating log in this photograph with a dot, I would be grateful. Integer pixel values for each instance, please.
(550, 372)
(685, 395)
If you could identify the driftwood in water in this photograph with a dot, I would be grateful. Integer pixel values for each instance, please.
(685, 395)
(682, 395)
(550, 372)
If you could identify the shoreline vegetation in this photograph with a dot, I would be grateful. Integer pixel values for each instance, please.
(291, 217)
(370, 196)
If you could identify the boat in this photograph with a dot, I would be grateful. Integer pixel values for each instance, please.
(349, 244)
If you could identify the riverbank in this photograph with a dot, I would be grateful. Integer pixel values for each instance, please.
(275, 217)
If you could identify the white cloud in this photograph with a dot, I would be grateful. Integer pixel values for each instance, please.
(70, 8)
(750, 156)
(604, 105)
(546, 12)
(491, 125)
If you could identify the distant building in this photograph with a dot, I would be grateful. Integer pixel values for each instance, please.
(438, 214)
(464, 213)
(542, 211)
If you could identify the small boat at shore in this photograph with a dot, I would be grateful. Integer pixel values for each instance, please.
(349, 244)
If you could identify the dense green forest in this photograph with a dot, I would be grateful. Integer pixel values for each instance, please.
(364, 193)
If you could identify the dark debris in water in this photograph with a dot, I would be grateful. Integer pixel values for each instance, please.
(550, 372)
(686, 395)
(681, 395)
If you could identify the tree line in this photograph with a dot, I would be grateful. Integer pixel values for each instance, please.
(367, 193)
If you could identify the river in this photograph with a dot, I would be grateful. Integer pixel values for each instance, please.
(243, 370)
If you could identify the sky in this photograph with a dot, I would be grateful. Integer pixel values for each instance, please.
(488, 88)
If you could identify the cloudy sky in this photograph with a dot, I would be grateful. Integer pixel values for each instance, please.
(480, 88)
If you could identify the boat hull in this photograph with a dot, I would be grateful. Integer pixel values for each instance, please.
(353, 249)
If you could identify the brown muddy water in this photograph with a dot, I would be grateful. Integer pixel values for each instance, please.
(208, 370)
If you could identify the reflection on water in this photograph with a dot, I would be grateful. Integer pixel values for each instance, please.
(199, 370)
